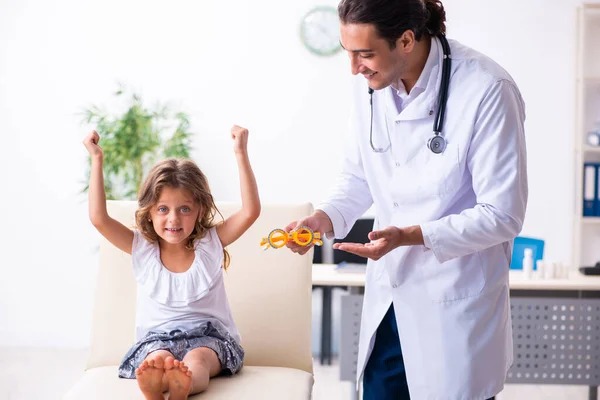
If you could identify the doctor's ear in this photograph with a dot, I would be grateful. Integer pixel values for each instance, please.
(406, 42)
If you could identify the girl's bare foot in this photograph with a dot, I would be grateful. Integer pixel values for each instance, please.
(149, 376)
(179, 378)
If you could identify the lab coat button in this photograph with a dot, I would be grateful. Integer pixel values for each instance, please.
(395, 205)
(394, 286)
(397, 164)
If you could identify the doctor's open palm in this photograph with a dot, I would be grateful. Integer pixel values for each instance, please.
(382, 242)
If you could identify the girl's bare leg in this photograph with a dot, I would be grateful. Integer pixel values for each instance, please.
(151, 375)
(197, 367)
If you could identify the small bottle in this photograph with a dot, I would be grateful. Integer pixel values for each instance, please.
(550, 270)
(527, 263)
(540, 269)
(558, 270)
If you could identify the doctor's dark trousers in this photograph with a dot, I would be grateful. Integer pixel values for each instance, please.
(384, 377)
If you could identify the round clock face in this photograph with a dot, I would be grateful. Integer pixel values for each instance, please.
(320, 31)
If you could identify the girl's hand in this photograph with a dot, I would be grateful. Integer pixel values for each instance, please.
(91, 144)
(240, 139)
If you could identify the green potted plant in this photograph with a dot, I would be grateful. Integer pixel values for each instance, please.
(134, 140)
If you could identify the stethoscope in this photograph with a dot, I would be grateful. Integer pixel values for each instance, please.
(437, 143)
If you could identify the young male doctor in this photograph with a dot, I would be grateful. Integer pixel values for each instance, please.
(436, 318)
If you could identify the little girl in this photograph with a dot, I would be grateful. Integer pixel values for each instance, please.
(184, 328)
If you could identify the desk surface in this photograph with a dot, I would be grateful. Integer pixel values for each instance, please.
(327, 275)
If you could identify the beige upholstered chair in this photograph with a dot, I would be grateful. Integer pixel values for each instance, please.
(270, 297)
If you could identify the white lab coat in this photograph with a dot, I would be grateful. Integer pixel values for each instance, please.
(451, 296)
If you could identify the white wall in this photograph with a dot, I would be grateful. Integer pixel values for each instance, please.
(223, 63)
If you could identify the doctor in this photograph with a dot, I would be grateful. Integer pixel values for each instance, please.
(436, 318)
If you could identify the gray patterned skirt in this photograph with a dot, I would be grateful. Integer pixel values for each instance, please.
(208, 334)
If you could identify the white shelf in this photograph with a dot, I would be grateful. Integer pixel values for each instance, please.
(591, 149)
(586, 234)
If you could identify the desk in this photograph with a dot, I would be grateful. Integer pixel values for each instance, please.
(556, 326)
(327, 278)
(327, 275)
(556, 330)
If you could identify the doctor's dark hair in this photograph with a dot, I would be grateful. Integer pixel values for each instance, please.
(392, 18)
(177, 173)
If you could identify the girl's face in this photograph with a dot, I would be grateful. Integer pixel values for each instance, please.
(174, 216)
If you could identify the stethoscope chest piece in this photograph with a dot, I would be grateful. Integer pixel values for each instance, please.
(436, 144)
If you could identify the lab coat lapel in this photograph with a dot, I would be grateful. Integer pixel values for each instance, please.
(425, 105)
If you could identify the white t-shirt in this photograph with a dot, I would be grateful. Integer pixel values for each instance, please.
(169, 300)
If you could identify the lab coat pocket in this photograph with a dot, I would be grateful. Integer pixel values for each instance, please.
(455, 279)
(426, 175)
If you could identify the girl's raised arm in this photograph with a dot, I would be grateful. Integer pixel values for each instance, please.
(234, 226)
(114, 231)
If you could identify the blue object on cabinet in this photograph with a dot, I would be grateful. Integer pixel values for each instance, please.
(521, 243)
(590, 180)
(597, 193)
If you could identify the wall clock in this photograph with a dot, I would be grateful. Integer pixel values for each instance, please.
(320, 31)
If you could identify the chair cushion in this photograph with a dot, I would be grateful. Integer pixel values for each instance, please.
(251, 383)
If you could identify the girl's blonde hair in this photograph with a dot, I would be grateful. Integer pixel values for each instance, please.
(177, 173)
